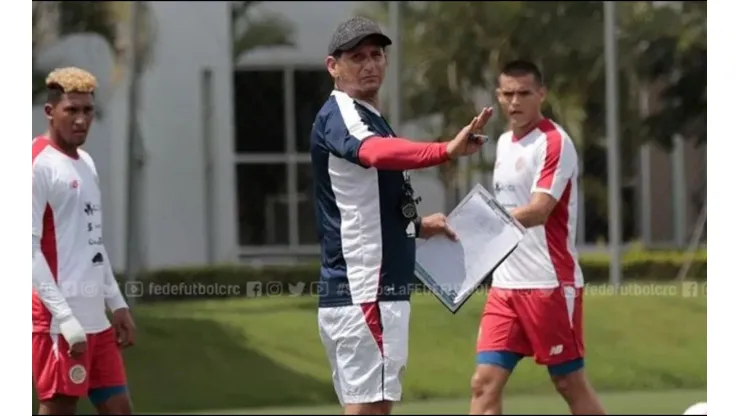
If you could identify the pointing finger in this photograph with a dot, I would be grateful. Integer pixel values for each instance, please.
(473, 123)
(483, 118)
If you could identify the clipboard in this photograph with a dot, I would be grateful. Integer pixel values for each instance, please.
(488, 234)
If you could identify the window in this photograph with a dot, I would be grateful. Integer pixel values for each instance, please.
(259, 111)
(312, 88)
(266, 195)
(262, 204)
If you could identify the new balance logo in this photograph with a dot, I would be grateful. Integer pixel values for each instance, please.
(557, 349)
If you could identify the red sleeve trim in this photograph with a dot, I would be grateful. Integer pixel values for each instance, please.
(394, 153)
(39, 144)
(553, 148)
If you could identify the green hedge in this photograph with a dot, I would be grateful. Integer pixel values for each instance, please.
(231, 281)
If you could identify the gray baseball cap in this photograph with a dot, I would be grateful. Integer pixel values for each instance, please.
(353, 31)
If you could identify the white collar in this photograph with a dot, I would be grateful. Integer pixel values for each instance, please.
(361, 102)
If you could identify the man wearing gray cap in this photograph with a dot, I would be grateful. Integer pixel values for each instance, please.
(367, 221)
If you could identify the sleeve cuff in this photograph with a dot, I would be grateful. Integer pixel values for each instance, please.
(545, 191)
(356, 158)
(116, 302)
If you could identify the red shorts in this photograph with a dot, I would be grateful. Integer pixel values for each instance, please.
(55, 372)
(544, 323)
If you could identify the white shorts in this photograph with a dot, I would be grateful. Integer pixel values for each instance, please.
(367, 346)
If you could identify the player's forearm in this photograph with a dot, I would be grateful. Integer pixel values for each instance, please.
(401, 154)
(45, 286)
(529, 216)
(114, 300)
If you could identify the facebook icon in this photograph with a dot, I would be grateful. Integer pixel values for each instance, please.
(254, 289)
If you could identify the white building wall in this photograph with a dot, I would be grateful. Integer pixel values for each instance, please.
(190, 37)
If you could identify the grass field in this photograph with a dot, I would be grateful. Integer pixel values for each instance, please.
(624, 403)
(258, 353)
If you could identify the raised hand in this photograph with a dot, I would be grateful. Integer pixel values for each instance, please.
(462, 145)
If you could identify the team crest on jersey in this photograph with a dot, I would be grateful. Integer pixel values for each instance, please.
(519, 164)
(77, 374)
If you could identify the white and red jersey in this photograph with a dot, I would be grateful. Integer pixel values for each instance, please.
(543, 160)
(67, 221)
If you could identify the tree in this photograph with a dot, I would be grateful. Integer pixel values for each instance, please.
(54, 20)
(452, 51)
(447, 64)
(250, 32)
(678, 62)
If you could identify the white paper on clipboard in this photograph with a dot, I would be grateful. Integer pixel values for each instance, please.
(487, 233)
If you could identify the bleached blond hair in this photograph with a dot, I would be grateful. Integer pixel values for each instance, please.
(71, 79)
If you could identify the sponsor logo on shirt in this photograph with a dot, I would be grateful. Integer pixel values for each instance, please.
(91, 209)
(97, 259)
(499, 187)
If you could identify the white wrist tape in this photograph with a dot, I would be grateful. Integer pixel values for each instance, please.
(72, 331)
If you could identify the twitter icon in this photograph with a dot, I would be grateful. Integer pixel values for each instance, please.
(296, 289)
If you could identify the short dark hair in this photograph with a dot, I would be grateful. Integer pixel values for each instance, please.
(54, 93)
(521, 67)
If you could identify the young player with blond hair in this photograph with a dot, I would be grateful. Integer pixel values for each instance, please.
(75, 348)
